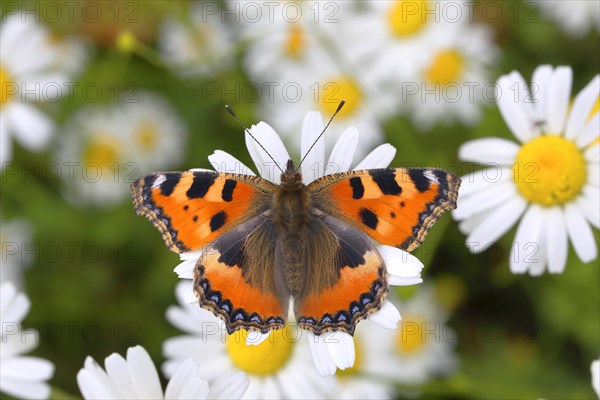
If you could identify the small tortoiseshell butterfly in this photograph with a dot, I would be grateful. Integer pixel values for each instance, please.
(265, 244)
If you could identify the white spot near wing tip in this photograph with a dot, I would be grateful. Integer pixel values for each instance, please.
(159, 181)
(431, 176)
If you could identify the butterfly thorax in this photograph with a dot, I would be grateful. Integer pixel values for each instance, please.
(291, 217)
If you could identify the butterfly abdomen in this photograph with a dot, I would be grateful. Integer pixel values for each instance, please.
(291, 217)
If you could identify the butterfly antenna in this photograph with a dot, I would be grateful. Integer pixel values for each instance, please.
(339, 107)
(234, 115)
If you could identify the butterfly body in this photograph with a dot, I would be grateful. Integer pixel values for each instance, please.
(265, 245)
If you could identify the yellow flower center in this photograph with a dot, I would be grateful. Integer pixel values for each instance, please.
(295, 43)
(102, 151)
(6, 81)
(447, 67)
(266, 358)
(411, 338)
(336, 90)
(146, 135)
(549, 170)
(406, 18)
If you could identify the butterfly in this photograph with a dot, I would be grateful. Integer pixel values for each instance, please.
(266, 246)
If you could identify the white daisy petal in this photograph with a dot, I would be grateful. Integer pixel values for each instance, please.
(26, 389)
(5, 143)
(27, 368)
(118, 373)
(592, 154)
(539, 87)
(595, 369)
(589, 204)
(590, 132)
(468, 225)
(94, 383)
(582, 106)
(225, 162)
(482, 180)
(486, 199)
(381, 157)
(340, 346)
(320, 354)
(33, 126)
(387, 317)
(525, 248)
(271, 143)
(497, 223)
(342, 154)
(186, 383)
(556, 240)
(403, 268)
(144, 377)
(313, 164)
(593, 171)
(580, 233)
(512, 110)
(559, 95)
(231, 386)
(185, 269)
(489, 151)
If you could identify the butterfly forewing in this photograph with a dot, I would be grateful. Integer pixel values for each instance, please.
(395, 207)
(192, 208)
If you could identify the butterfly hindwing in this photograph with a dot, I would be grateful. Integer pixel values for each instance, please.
(234, 278)
(395, 207)
(360, 283)
(192, 208)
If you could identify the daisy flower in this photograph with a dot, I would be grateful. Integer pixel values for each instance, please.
(281, 47)
(549, 179)
(324, 91)
(278, 367)
(453, 78)
(28, 75)
(420, 349)
(156, 134)
(576, 17)
(15, 236)
(330, 350)
(20, 376)
(136, 378)
(109, 147)
(200, 45)
(391, 35)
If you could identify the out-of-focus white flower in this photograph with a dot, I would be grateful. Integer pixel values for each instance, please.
(20, 376)
(32, 70)
(576, 17)
(107, 148)
(198, 43)
(550, 180)
(420, 349)
(136, 378)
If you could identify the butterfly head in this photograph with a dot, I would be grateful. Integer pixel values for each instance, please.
(291, 178)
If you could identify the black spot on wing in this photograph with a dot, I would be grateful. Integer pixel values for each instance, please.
(217, 220)
(227, 192)
(202, 182)
(351, 251)
(171, 180)
(418, 177)
(369, 218)
(386, 180)
(358, 190)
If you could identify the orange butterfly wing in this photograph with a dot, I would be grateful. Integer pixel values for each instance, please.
(192, 208)
(395, 207)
